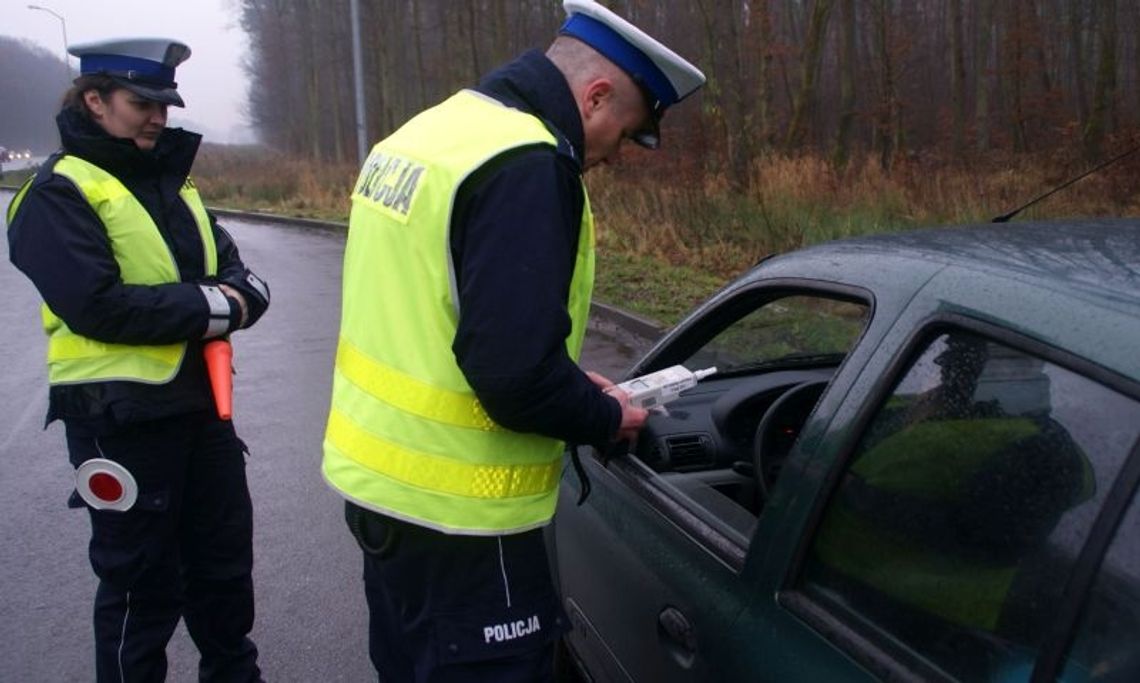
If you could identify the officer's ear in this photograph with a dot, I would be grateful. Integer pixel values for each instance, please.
(597, 95)
(94, 102)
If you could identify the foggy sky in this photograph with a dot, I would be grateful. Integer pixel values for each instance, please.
(212, 81)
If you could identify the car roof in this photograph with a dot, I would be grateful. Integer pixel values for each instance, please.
(1073, 284)
(1101, 255)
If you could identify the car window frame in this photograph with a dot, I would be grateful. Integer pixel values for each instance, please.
(891, 660)
(731, 304)
(1060, 637)
(728, 303)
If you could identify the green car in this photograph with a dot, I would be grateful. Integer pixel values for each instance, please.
(917, 460)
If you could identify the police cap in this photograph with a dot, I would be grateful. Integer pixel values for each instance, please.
(665, 78)
(145, 66)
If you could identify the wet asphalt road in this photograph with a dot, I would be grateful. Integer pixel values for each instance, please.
(311, 620)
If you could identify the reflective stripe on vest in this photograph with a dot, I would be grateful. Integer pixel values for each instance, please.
(143, 258)
(406, 435)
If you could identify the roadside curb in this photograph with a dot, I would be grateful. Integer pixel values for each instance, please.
(602, 315)
(632, 323)
(280, 220)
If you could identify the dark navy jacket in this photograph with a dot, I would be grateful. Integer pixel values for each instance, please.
(61, 245)
(514, 238)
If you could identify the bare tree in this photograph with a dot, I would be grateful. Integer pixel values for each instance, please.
(887, 110)
(957, 78)
(1105, 89)
(1077, 59)
(804, 105)
(848, 70)
(983, 74)
(1016, 74)
(760, 23)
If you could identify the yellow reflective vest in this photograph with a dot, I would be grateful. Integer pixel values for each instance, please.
(406, 435)
(143, 258)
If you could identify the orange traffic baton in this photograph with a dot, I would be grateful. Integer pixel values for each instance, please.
(220, 367)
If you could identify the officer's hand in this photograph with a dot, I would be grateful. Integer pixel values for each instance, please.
(232, 293)
(599, 380)
(254, 295)
(632, 417)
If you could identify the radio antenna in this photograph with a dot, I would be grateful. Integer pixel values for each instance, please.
(1004, 218)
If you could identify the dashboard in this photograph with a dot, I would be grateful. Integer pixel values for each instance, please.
(736, 425)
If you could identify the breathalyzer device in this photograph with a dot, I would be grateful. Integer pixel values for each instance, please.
(661, 387)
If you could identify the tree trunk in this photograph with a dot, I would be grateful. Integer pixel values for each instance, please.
(1013, 76)
(1077, 57)
(885, 123)
(761, 18)
(311, 134)
(984, 51)
(1104, 91)
(472, 38)
(713, 96)
(386, 79)
(739, 131)
(957, 79)
(417, 36)
(804, 105)
(848, 69)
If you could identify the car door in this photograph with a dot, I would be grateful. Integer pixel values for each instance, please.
(657, 564)
(957, 532)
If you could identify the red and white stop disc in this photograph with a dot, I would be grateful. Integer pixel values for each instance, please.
(106, 485)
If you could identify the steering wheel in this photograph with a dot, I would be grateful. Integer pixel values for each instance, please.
(778, 430)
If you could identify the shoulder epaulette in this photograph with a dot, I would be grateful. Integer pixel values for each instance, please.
(47, 168)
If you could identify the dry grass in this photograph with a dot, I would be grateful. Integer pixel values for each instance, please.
(795, 201)
(254, 178)
(669, 232)
(677, 214)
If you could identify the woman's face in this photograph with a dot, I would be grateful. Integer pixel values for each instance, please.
(127, 115)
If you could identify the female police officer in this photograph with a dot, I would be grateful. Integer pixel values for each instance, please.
(135, 274)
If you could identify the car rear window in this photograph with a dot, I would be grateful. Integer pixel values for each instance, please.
(969, 496)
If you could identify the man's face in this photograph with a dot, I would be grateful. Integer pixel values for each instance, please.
(613, 112)
(127, 115)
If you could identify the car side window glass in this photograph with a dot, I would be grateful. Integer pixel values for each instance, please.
(1104, 648)
(792, 327)
(700, 451)
(965, 504)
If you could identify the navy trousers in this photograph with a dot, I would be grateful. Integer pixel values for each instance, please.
(185, 550)
(448, 609)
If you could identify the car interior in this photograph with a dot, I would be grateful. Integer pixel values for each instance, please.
(720, 447)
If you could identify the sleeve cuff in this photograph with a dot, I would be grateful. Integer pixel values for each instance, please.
(221, 311)
(613, 407)
(258, 285)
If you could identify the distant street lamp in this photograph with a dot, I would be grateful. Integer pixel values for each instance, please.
(63, 27)
(358, 84)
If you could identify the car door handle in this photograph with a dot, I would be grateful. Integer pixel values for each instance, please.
(674, 627)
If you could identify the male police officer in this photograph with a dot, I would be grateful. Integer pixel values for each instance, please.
(467, 282)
